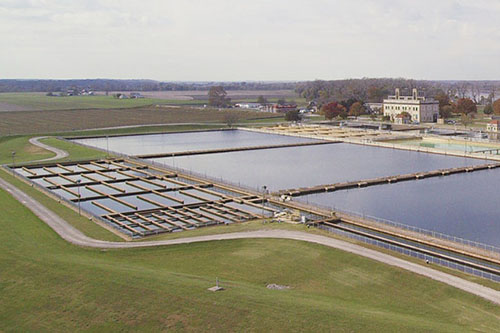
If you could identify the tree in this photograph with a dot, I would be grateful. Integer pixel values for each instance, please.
(262, 100)
(488, 109)
(281, 101)
(443, 99)
(348, 103)
(496, 107)
(446, 111)
(357, 109)
(217, 96)
(293, 115)
(466, 118)
(465, 106)
(230, 118)
(332, 110)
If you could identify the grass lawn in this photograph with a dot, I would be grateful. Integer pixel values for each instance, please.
(141, 130)
(25, 151)
(48, 284)
(76, 152)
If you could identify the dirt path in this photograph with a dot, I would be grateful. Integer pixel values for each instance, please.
(74, 236)
(59, 152)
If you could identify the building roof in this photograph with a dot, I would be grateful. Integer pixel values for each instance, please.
(495, 122)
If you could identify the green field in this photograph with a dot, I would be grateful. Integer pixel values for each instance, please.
(49, 285)
(38, 101)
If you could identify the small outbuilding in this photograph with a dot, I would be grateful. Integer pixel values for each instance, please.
(493, 126)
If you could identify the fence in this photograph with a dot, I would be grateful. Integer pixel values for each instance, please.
(434, 234)
(415, 254)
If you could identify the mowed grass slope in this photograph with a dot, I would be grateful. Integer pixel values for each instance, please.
(26, 152)
(28, 122)
(47, 284)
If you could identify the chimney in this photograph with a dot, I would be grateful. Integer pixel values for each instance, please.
(415, 93)
(397, 93)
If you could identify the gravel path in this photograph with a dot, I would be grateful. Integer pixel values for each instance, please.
(59, 152)
(74, 236)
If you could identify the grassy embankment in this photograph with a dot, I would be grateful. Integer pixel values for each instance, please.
(26, 152)
(48, 284)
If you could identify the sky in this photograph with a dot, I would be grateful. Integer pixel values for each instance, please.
(244, 40)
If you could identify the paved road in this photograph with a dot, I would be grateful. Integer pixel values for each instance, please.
(74, 236)
(59, 152)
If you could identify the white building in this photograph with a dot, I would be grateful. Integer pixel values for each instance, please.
(493, 126)
(248, 105)
(420, 109)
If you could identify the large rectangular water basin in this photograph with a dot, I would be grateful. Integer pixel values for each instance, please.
(187, 141)
(463, 205)
(293, 167)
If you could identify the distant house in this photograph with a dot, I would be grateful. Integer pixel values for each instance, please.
(136, 95)
(71, 92)
(278, 108)
(248, 105)
(373, 108)
(493, 126)
(85, 92)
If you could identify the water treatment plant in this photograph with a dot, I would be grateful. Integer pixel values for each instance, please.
(366, 185)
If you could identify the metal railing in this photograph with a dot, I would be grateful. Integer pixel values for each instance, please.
(415, 254)
(434, 234)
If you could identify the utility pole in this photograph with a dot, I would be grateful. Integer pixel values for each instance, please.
(79, 196)
(13, 162)
(264, 188)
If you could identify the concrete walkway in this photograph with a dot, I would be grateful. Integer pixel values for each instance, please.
(59, 152)
(74, 236)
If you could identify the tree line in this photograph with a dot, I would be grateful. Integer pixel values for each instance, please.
(132, 85)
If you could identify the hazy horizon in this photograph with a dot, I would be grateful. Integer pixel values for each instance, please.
(228, 41)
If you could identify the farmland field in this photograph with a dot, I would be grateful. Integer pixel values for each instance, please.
(71, 120)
